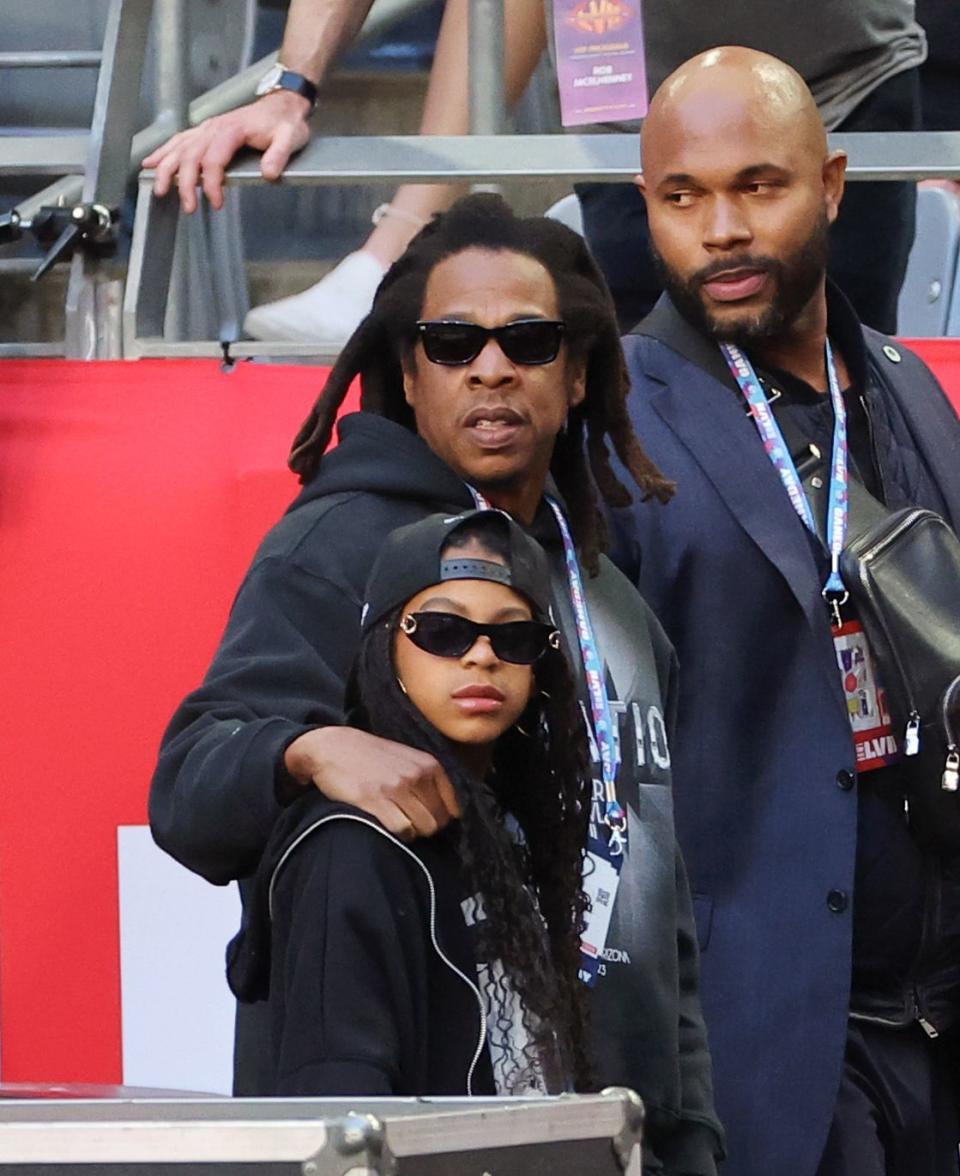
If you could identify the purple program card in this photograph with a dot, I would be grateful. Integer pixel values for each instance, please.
(600, 64)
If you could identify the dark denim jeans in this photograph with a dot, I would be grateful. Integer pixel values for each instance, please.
(896, 1111)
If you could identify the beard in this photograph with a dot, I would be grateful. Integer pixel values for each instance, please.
(794, 278)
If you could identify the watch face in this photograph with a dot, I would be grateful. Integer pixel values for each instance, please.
(269, 80)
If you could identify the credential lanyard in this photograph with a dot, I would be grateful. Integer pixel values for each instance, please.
(604, 728)
(834, 592)
(604, 857)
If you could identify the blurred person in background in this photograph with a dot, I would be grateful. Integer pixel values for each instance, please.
(940, 73)
(278, 124)
(860, 59)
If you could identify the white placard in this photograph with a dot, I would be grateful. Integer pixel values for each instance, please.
(177, 1010)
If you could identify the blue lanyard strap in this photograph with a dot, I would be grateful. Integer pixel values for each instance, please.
(779, 454)
(604, 728)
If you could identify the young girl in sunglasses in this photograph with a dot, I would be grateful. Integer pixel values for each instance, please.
(448, 965)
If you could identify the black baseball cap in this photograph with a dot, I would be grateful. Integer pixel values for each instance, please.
(410, 560)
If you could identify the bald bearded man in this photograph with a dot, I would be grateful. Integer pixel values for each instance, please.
(830, 935)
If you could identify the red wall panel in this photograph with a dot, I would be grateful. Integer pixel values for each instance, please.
(132, 496)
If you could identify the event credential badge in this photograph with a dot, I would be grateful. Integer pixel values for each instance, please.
(600, 64)
(870, 721)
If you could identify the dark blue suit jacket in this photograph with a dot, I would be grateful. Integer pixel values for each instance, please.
(763, 734)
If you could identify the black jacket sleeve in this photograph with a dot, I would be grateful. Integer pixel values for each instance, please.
(349, 965)
(695, 1147)
(214, 796)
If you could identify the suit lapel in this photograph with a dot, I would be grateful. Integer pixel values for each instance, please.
(698, 400)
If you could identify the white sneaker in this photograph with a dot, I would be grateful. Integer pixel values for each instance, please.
(328, 312)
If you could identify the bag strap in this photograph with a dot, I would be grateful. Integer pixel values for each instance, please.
(865, 511)
(665, 324)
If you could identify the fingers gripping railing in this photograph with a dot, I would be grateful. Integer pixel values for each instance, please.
(485, 157)
(94, 169)
(475, 159)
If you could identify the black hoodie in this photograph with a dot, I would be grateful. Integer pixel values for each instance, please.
(360, 945)
(280, 671)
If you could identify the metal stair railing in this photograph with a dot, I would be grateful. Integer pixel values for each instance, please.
(92, 303)
(479, 159)
(91, 317)
(52, 59)
(102, 161)
(233, 92)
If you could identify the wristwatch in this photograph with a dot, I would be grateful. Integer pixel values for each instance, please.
(278, 77)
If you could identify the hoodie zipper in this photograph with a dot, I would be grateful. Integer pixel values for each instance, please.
(898, 1023)
(481, 1039)
(950, 780)
(926, 1025)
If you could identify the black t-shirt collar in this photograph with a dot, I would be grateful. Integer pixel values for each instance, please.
(666, 323)
(846, 338)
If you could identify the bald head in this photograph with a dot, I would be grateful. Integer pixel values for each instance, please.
(712, 94)
(740, 191)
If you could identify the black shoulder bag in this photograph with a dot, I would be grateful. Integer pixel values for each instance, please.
(902, 570)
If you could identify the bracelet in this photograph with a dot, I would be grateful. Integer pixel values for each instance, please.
(383, 210)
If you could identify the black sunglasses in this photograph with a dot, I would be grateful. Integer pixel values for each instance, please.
(524, 341)
(448, 635)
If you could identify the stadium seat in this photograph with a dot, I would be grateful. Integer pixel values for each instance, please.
(567, 212)
(929, 301)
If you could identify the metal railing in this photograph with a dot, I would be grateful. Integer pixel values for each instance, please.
(95, 168)
(481, 158)
(436, 159)
(52, 59)
(16, 156)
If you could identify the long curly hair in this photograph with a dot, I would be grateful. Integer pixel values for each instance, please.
(382, 346)
(530, 887)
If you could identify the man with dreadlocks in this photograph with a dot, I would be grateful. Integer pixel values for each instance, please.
(491, 373)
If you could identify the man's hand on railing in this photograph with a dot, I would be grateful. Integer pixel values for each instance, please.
(276, 124)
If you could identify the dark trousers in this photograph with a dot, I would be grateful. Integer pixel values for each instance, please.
(896, 1112)
(940, 97)
(869, 243)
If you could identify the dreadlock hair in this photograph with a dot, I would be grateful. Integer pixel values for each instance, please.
(383, 345)
(540, 774)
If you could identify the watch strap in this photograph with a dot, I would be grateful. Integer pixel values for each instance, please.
(288, 79)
